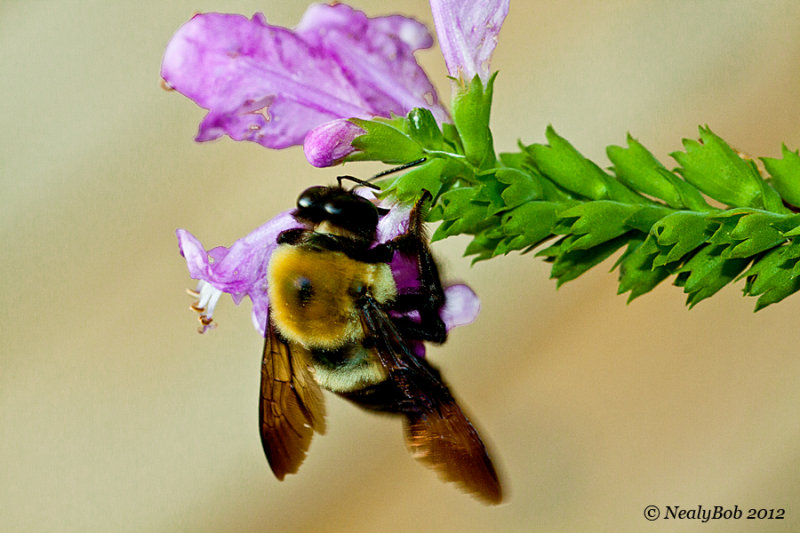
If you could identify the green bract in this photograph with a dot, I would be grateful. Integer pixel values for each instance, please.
(385, 140)
(711, 220)
(471, 107)
(784, 175)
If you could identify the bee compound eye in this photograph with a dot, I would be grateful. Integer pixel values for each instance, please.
(310, 197)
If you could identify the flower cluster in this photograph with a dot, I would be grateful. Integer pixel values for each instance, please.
(272, 85)
(280, 87)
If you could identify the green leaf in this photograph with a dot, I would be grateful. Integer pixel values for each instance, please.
(422, 127)
(451, 139)
(568, 265)
(644, 216)
(456, 201)
(482, 246)
(515, 160)
(714, 168)
(661, 220)
(383, 142)
(522, 187)
(490, 192)
(637, 168)
(562, 163)
(425, 177)
(690, 196)
(677, 234)
(461, 213)
(593, 223)
(528, 225)
(471, 108)
(637, 273)
(773, 277)
(707, 272)
(754, 232)
(785, 174)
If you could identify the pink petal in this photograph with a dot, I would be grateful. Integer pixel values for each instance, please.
(377, 54)
(272, 85)
(240, 269)
(461, 306)
(467, 33)
(259, 82)
(393, 223)
(194, 253)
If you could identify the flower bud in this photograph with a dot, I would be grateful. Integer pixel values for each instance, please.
(328, 144)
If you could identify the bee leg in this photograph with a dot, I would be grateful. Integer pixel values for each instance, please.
(293, 236)
(414, 243)
(428, 299)
(430, 329)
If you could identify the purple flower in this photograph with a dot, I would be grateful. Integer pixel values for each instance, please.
(467, 34)
(272, 85)
(241, 270)
(330, 143)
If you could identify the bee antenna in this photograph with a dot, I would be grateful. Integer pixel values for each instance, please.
(358, 182)
(398, 169)
(367, 182)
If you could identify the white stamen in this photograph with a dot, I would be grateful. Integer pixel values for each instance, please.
(207, 297)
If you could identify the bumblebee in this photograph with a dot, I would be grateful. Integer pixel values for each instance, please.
(338, 322)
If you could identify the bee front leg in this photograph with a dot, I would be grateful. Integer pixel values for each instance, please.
(428, 298)
(430, 328)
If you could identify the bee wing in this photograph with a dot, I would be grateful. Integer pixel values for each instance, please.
(291, 406)
(445, 440)
(437, 431)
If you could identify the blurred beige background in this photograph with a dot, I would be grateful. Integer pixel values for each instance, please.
(117, 416)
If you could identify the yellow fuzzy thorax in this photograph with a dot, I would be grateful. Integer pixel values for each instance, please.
(312, 295)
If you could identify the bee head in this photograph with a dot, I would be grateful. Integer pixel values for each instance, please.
(344, 208)
(340, 208)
